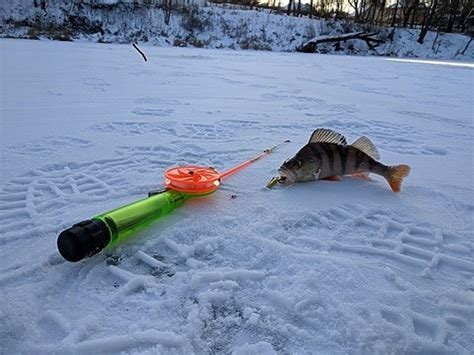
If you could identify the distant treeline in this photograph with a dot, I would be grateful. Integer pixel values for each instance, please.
(440, 15)
(425, 15)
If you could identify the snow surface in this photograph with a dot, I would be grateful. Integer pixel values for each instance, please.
(318, 267)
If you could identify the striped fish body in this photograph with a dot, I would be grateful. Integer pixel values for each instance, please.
(328, 156)
(331, 159)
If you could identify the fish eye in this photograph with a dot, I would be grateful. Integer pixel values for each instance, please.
(298, 163)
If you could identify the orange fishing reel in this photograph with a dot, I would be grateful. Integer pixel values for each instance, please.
(201, 180)
(193, 180)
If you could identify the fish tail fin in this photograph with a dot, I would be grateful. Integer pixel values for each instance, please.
(395, 176)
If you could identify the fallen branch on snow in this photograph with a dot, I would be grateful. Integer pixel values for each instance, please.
(310, 46)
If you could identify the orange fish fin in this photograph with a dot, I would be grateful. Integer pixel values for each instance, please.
(395, 176)
(362, 176)
(332, 178)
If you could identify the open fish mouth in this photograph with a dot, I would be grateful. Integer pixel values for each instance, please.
(286, 176)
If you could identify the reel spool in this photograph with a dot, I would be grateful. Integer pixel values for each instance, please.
(193, 180)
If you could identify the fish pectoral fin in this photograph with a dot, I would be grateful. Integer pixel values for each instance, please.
(362, 176)
(333, 178)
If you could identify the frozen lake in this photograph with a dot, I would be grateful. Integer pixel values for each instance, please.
(316, 267)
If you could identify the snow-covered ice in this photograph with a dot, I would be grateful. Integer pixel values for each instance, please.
(318, 267)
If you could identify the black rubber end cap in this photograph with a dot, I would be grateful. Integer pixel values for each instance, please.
(83, 239)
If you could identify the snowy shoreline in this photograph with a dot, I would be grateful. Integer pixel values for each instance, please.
(215, 27)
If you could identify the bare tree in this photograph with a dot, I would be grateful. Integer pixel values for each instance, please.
(338, 5)
(467, 45)
(408, 10)
(428, 19)
(355, 5)
(382, 10)
(167, 7)
(395, 10)
(439, 15)
(453, 8)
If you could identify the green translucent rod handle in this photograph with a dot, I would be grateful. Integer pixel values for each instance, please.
(91, 236)
(130, 219)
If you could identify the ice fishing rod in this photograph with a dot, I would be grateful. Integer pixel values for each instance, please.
(134, 45)
(89, 237)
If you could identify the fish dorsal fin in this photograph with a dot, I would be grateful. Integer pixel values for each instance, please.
(366, 146)
(324, 135)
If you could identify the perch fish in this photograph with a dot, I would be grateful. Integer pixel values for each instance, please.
(327, 156)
